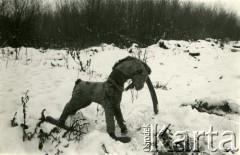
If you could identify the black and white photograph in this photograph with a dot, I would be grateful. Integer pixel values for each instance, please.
(119, 77)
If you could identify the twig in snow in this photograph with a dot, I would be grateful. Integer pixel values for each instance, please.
(13, 121)
(169, 80)
(42, 119)
(104, 149)
(145, 56)
(23, 125)
(26, 54)
(164, 87)
(66, 59)
(82, 68)
(97, 110)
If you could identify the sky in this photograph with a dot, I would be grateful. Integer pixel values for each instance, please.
(233, 5)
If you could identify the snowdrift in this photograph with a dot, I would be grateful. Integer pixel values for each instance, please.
(197, 85)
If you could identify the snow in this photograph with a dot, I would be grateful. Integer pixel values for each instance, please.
(213, 76)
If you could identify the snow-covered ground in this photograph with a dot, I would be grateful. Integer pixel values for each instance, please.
(181, 81)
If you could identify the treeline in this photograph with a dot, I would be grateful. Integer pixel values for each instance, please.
(83, 23)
